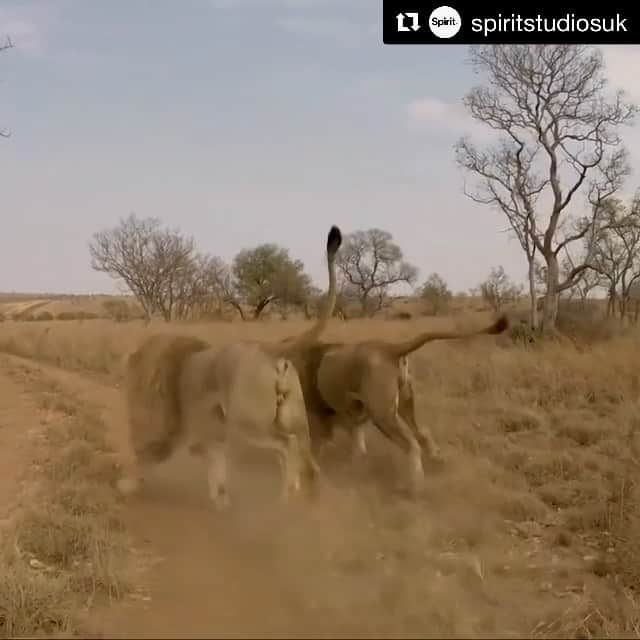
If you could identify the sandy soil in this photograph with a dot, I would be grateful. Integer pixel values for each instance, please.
(19, 420)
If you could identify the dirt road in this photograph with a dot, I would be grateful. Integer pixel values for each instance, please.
(19, 418)
(361, 562)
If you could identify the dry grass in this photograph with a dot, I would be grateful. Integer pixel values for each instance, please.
(541, 441)
(100, 345)
(65, 545)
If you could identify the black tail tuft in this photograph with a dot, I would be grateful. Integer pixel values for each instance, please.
(500, 325)
(334, 240)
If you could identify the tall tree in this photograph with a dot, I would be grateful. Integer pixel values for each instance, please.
(557, 140)
(584, 284)
(616, 256)
(370, 263)
(265, 274)
(498, 289)
(147, 259)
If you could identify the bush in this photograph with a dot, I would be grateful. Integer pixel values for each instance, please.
(436, 295)
(521, 333)
(44, 316)
(117, 310)
(498, 290)
(585, 321)
(77, 315)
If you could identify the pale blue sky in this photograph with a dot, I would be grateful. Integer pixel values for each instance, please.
(240, 121)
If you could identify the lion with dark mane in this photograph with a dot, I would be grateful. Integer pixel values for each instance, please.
(180, 391)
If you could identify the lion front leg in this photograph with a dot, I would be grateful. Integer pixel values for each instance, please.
(146, 456)
(130, 482)
(293, 432)
(359, 439)
(291, 468)
(217, 476)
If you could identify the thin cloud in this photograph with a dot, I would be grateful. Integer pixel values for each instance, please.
(313, 18)
(621, 64)
(433, 116)
(25, 28)
(341, 31)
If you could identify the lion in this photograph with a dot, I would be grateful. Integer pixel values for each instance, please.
(351, 385)
(180, 391)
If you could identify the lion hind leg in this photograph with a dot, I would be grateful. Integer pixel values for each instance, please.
(292, 426)
(406, 409)
(391, 424)
(287, 448)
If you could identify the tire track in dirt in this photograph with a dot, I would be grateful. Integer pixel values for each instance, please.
(19, 418)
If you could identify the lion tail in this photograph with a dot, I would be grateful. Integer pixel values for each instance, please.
(334, 241)
(405, 348)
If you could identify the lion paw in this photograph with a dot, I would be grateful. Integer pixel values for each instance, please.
(437, 458)
(128, 485)
(222, 499)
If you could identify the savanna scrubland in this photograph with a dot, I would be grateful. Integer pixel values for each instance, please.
(529, 527)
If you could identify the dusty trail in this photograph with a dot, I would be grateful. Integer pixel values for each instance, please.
(231, 576)
(215, 577)
(361, 562)
(19, 419)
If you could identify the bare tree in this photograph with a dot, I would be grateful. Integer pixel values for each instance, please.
(314, 302)
(149, 260)
(117, 309)
(176, 269)
(634, 299)
(211, 288)
(436, 294)
(617, 254)
(498, 289)
(187, 287)
(230, 293)
(584, 284)
(370, 263)
(266, 274)
(558, 139)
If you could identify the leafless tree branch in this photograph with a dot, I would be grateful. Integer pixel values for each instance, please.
(558, 138)
(370, 263)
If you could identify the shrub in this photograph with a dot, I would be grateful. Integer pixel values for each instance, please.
(77, 315)
(117, 310)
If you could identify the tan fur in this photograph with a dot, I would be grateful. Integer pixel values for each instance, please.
(182, 392)
(349, 385)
